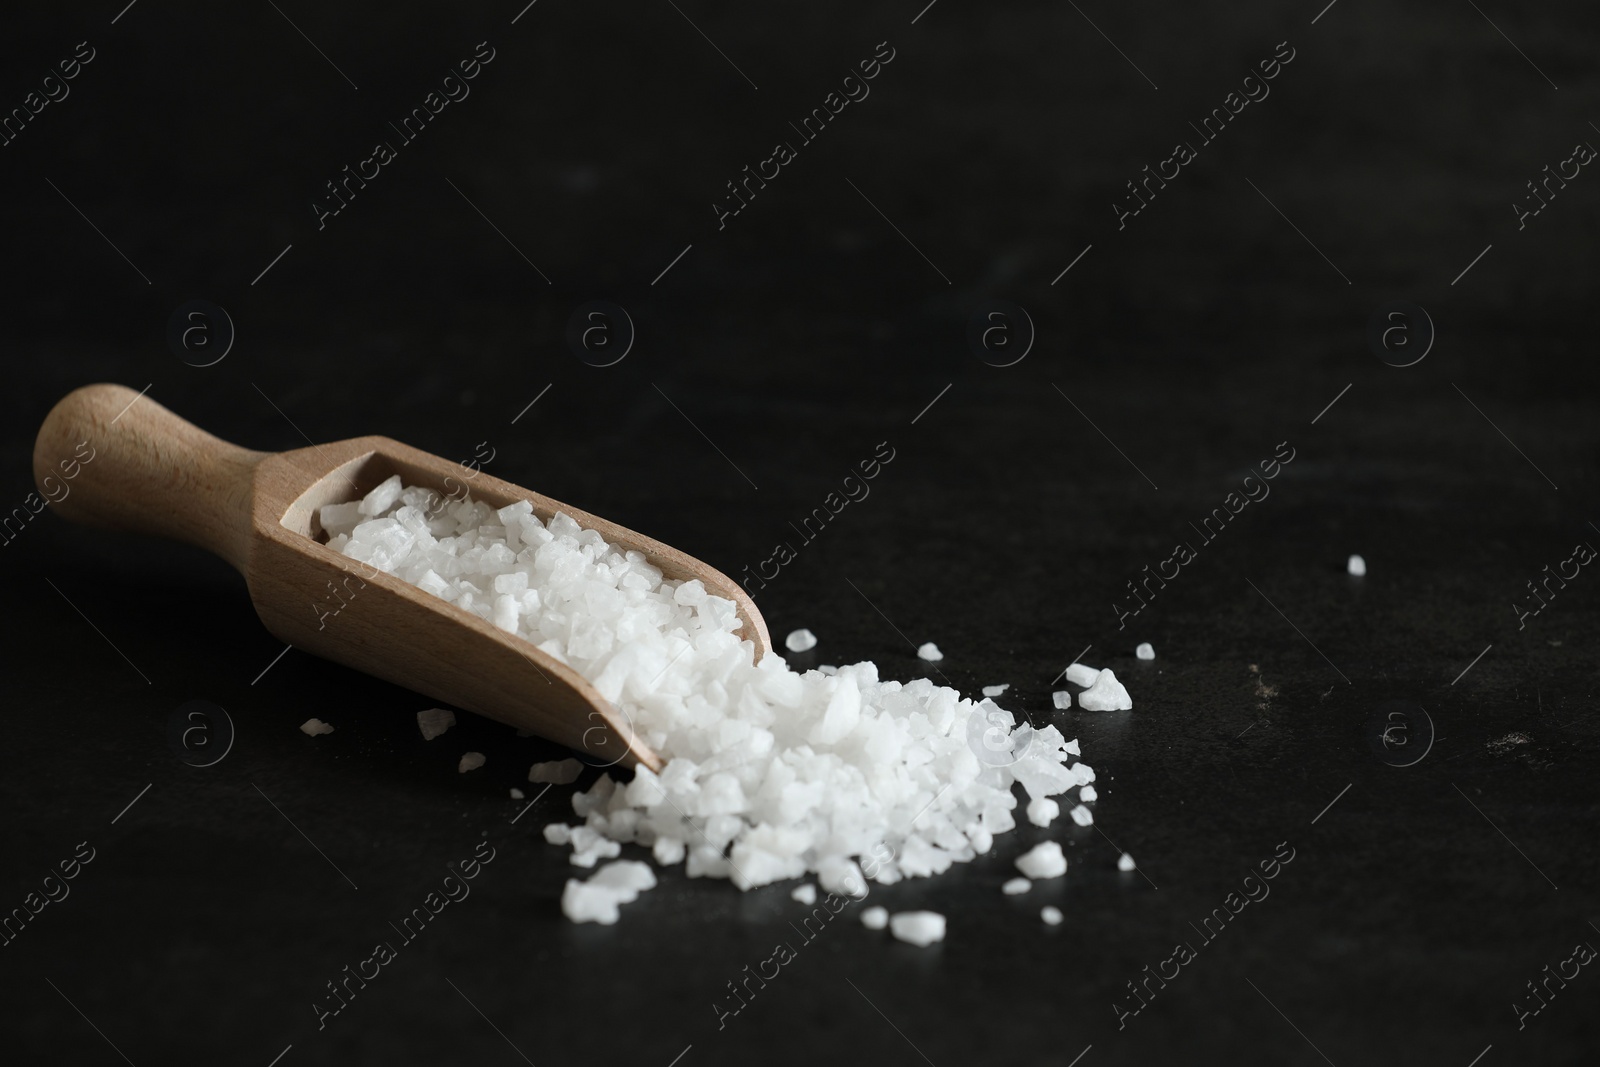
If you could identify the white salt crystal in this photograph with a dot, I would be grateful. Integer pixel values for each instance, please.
(517, 794)
(1078, 674)
(1106, 694)
(558, 833)
(921, 928)
(470, 761)
(1125, 863)
(1041, 810)
(930, 652)
(1356, 566)
(434, 722)
(800, 641)
(805, 894)
(561, 772)
(340, 518)
(315, 727)
(1081, 815)
(668, 850)
(599, 899)
(1072, 748)
(1145, 651)
(1043, 861)
(1062, 699)
(875, 918)
(382, 498)
(1016, 887)
(1051, 915)
(1088, 794)
(995, 690)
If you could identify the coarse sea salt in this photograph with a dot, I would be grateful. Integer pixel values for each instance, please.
(1078, 674)
(768, 773)
(1062, 699)
(315, 728)
(800, 641)
(599, 899)
(1016, 887)
(1051, 915)
(995, 690)
(875, 918)
(921, 928)
(805, 894)
(561, 771)
(1125, 863)
(470, 761)
(1043, 861)
(1106, 694)
(930, 652)
(1145, 650)
(1042, 810)
(1356, 566)
(434, 722)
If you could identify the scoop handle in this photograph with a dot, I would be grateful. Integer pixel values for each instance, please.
(111, 457)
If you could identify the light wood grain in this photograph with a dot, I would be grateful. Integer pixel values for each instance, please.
(154, 473)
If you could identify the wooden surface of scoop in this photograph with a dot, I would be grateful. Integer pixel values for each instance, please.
(148, 471)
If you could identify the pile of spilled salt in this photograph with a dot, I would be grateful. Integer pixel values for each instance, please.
(769, 774)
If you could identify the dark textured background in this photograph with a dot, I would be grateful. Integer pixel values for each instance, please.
(797, 338)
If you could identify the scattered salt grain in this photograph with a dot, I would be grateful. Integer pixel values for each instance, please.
(995, 690)
(921, 928)
(434, 722)
(561, 772)
(1081, 815)
(589, 847)
(1356, 566)
(1016, 887)
(599, 899)
(1078, 674)
(1042, 810)
(1062, 699)
(668, 850)
(1145, 651)
(1106, 694)
(558, 833)
(1043, 861)
(875, 918)
(1050, 915)
(805, 894)
(470, 761)
(1088, 794)
(315, 728)
(800, 641)
(517, 794)
(931, 653)
(1125, 863)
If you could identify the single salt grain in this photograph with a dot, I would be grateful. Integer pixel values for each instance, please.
(875, 918)
(517, 794)
(995, 690)
(930, 652)
(1043, 861)
(315, 727)
(1078, 674)
(1145, 651)
(599, 899)
(921, 928)
(800, 641)
(1088, 794)
(805, 894)
(1125, 863)
(1106, 694)
(1016, 887)
(1062, 699)
(1050, 915)
(1356, 566)
(434, 722)
(561, 772)
(1041, 810)
(1081, 815)
(558, 833)
(668, 850)
(470, 761)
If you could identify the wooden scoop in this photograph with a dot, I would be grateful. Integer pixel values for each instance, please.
(151, 472)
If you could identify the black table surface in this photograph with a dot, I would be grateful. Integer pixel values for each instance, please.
(1437, 882)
